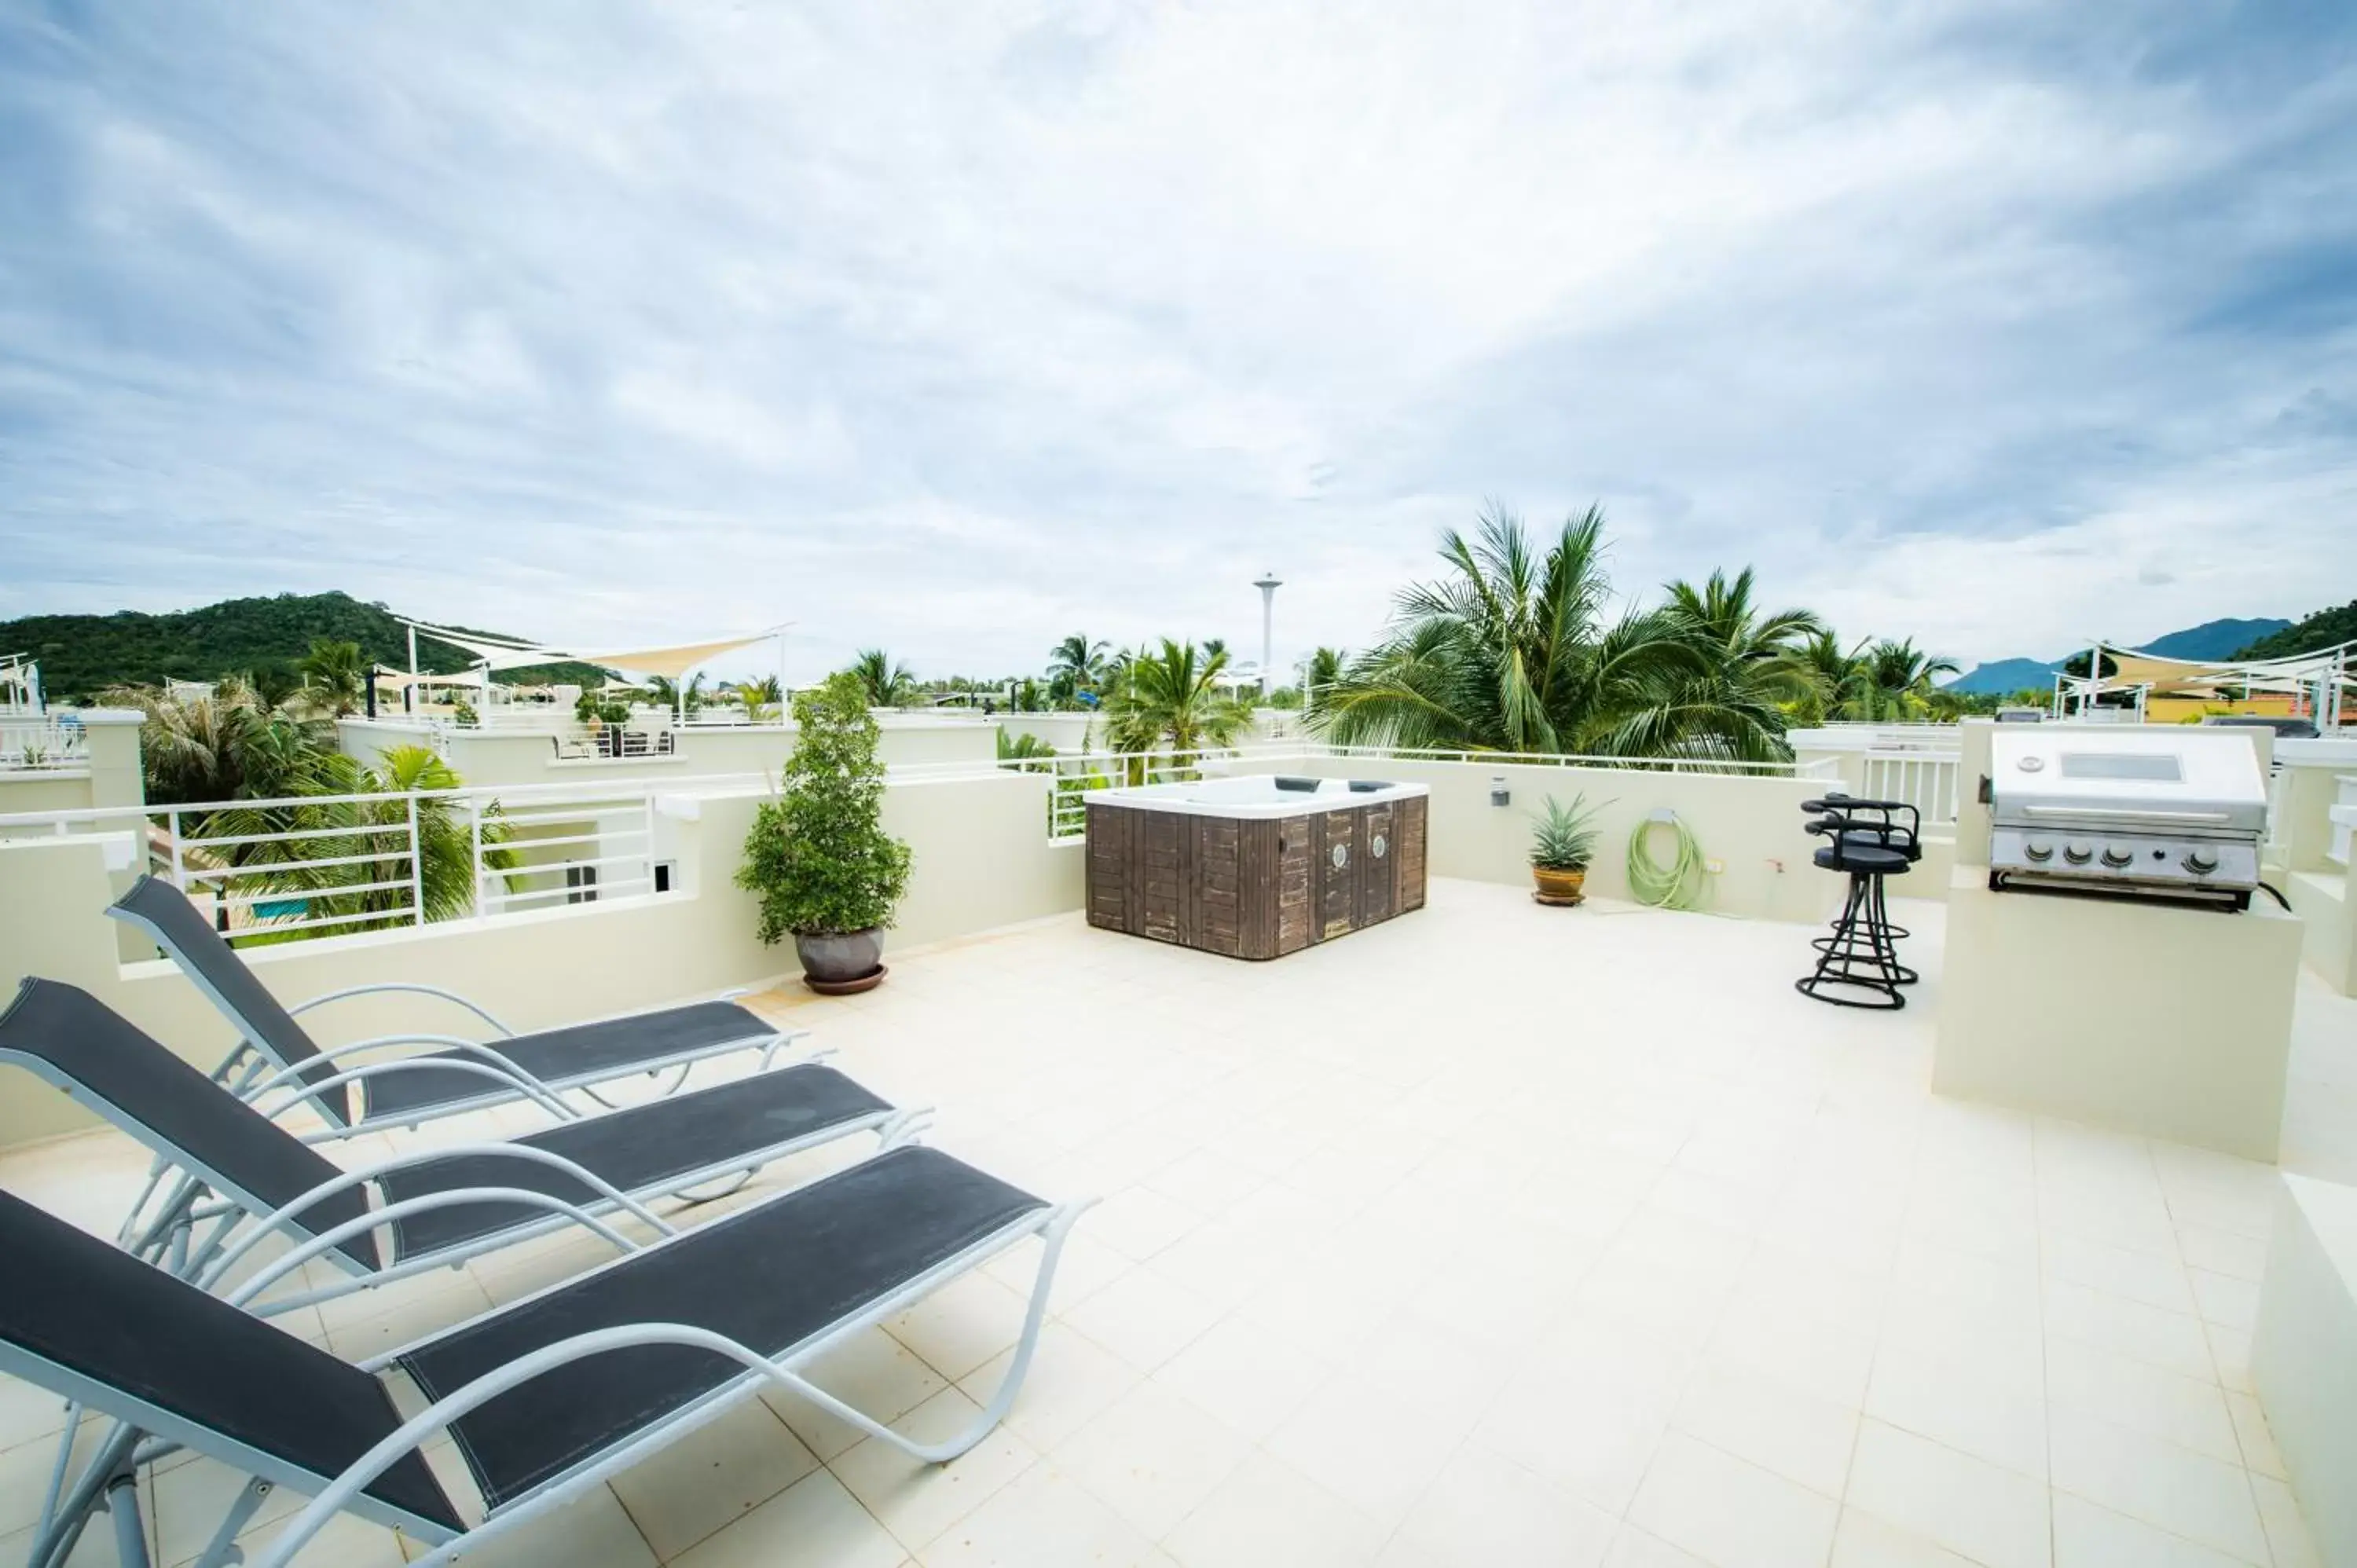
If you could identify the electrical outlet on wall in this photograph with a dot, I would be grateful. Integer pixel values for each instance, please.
(1713, 866)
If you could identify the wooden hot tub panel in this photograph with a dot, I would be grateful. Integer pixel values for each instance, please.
(1256, 887)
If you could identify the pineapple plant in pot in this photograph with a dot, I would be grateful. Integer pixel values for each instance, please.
(825, 870)
(1562, 843)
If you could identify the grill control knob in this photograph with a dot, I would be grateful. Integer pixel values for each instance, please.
(2117, 855)
(2077, 853)
(2200, 862)
(2039, 849)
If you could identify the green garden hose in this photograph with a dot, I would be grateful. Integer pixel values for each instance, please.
(1678, 885)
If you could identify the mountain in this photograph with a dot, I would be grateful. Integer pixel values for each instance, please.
(2325, 628)
(2003, 678)
(2211, 640)
(82, 655)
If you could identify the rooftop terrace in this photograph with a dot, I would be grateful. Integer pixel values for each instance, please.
(1490, 1235)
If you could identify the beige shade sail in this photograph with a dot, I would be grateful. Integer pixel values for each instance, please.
(671, 660)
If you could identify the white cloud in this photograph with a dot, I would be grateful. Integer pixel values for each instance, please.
(955, 329)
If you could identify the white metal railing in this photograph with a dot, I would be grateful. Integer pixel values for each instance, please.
(1075, 773)
(39, 743)
(328, 864)
(1925, 780)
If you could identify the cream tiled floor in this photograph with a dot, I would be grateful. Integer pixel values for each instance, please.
(1494, 1235)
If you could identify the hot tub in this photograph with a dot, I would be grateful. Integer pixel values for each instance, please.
(1257, 866)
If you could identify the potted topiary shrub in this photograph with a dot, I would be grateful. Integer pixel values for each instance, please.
(1563, 842)
(818, 856)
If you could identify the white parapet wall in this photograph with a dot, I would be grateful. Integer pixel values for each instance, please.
(2304, 1356)
(982, 860)
(2314, 799)
(103, 769)
(1751, 826)
(532, 755)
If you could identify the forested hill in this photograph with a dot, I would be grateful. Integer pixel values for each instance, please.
(2325, 628)
(82, 655)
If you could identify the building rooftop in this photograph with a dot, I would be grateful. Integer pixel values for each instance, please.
(1488, 1235)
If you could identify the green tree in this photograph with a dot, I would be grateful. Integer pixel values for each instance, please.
(887, 685)
(1320, 671)
(360, 830)
(1836, 679)
(668, 694)
(818, 856)
(1077, 665)
(1024, 748)
(1727, 698)
(1172, 697)
(231, 746)
(761, 699)
(335, 678)
(1898, 676)
(1511, 651)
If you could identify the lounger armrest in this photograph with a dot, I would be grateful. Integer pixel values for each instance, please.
(495, 1068)
(277, 1218)
(475, 1008)
(280, 1267)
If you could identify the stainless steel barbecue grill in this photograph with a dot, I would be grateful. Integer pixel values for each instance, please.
(2163, 813)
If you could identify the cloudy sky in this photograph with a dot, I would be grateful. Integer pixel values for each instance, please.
(958, 328)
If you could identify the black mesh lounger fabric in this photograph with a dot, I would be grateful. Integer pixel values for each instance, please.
(769, 1276)
(190, 939)
(636, 1149)
(173, 1108)
(81, 1305)
(585, 1053)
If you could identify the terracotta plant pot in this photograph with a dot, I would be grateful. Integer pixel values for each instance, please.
(1558, 888)
(839, 958)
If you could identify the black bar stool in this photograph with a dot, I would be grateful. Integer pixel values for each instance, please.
(1876, 823)
(1859, 961)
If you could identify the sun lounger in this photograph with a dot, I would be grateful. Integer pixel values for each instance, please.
(244, 1179)
(358, 1088)
(545, 1398)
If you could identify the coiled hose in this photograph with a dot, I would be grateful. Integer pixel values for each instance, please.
(1678, 885)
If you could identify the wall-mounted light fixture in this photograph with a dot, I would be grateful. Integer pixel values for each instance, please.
(1499, 794)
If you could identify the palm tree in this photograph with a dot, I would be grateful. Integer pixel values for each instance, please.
(365, 824)
(1730, 700)
(1075, 666)
(230, 746)
(1509, 652)
(1836, 679)
(761, 699)
(1319, 671)
(1898, 678)
(1025, 748)
(889, 685)
(665, 692)
(334, 676)
(1173, 696)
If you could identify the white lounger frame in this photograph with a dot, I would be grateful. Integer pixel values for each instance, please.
(109, 1481)
(251, 1071)
(252, 1059)
(166, 1233)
